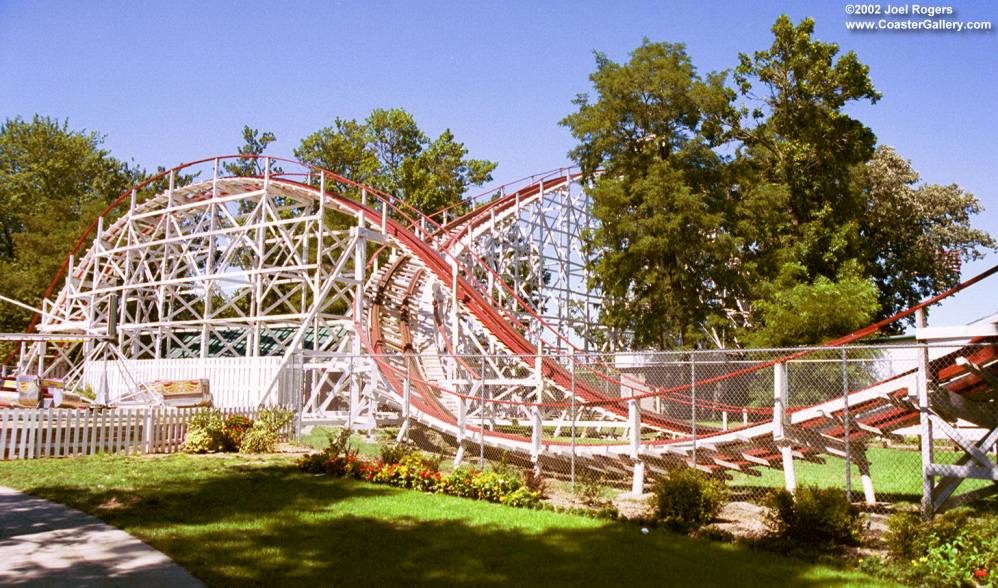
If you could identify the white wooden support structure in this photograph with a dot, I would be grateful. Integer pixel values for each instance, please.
(936, 411)
(406, 406)
(780, 421)
(462, 423)
(537, 425)
(634, 432)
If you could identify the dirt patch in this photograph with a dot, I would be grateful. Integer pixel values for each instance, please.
(635, 508)
(744, 520)
(117, 502)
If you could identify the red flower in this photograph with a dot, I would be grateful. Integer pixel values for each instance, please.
(980, 573)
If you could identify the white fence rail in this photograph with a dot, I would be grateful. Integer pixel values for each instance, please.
(233, 381)
(29, 433)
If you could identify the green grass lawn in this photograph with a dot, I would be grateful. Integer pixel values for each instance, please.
(896, 474)
(235, 520)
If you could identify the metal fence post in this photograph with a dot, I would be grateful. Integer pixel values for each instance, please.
(481, 439)
(845, 412)
(924, 422)
(572, 465)
(693, 404)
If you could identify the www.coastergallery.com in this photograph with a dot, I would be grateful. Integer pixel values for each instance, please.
(918, 25)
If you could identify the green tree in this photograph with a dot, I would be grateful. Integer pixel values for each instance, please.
(801, 151)
(662, 198)
(254, 144)
(389, 152)
(915, 236)
(770, 222)
(54, 181)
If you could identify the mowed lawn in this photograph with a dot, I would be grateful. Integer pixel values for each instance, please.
(235, 520)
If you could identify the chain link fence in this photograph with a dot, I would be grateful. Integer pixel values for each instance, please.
(598, 425)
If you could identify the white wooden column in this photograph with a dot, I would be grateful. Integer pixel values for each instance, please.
(780, 420)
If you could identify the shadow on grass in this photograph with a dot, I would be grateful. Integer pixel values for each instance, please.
(271, 525)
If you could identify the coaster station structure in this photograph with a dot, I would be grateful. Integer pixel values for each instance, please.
(310, 290)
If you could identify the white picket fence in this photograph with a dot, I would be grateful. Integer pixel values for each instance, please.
(29, 433)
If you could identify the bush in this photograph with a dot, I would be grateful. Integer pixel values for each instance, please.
(814, 517)
(522, 497)
(275, 419)
(337, 442)
(259, 439)
(233, 430)
(589, 489)
(909, 537)
(686, 499)
(205, 433)
(418, 460)
(313, 463)
(953, 549)
(393, 453)
(535, 482)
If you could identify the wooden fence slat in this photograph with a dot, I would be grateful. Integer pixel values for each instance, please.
(128, 432)
(27, 435)
(78, 438)
(46, 434)
(89, 436)
(57, 433)
(98, 431)
(3, 433)
(113, 431)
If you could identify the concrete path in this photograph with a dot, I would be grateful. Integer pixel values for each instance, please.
(47, 544)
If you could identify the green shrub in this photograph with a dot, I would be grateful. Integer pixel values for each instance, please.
(205, 432)
(908, 536)
(313, 463)
(589, 489)
(337, 442)
(953, 549)
(814, 517)
(393, 453)
(275, 419)
(522, 497)
(259, 439)
(686, 499)
(421, 461)
(233, 430)
(535, 482)
(459, 482)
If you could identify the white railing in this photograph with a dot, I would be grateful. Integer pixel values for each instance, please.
(29, 433)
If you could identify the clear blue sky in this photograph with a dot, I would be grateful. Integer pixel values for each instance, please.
(175, 81)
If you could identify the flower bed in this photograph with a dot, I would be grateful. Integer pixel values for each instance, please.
(415, 472)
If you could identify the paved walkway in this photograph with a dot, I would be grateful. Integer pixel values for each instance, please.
(47, 544)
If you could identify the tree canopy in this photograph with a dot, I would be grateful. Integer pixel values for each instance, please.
(757, 211)
(53, 183)
(388, 151)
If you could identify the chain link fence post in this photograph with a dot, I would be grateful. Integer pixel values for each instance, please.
(481, 420)
(572, 464)
(693, 405)
(845, 432)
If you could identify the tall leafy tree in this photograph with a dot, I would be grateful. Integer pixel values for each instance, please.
(662, 198)
(53, 183)
(389, 152)
(772, 221)
(915, 235)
